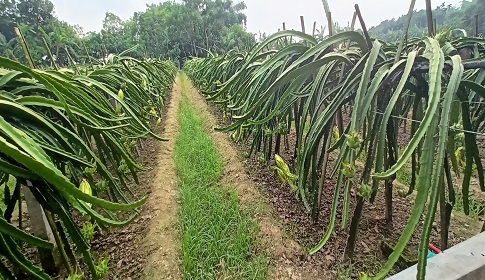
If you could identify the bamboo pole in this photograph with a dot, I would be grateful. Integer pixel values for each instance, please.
(49, 53)
(28, 56)
(89, 57)
(296, 105)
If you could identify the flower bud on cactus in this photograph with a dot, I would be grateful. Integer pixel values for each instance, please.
(85, 187)
(364, 191)
(353, 140)
(348, 169)
(121, 95)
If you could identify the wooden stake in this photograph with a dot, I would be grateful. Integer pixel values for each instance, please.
(302, 22)
(476, 25)
(429, 15)
(406, 30)
(354, 19)
(362, 24)
(286, 37)
(60, 245)
(314, 28)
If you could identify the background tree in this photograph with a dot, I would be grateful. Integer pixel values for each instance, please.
(168, 30)
(9, 48)
(447, 16)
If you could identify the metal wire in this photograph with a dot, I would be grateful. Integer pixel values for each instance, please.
(449, 127)
(470, 102)
(473, 102)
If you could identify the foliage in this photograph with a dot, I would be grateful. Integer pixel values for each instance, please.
(75, 277)
(167, 30)
(59, 128)
(447, 17)
(36, 20)
(102, 267)
(88, 230)
(309, 82)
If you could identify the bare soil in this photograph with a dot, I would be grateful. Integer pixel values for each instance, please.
(149, 248)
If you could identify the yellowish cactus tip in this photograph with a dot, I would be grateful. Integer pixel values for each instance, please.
(121, 95)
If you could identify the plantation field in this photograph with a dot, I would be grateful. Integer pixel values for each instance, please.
(374, 229)
(280, 230)
(174, 146)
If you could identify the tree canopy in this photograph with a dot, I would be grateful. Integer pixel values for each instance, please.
(167, 30)
(447, 17)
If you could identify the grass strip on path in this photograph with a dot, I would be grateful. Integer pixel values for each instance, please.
(217, 237)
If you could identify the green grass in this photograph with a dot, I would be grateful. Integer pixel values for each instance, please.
(404, 175)
(476, 206)
(217, 237)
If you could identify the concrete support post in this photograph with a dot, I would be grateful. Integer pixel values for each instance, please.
(41, 229)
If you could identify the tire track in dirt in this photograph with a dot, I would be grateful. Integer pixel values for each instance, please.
(161, 243)
(286, 254)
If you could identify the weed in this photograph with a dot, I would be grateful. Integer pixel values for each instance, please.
(345, 272)
(477, 208)
(404, 176)
(75, 276)
(102, 267)
(88, 231)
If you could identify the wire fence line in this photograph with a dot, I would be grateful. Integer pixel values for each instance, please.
(418, 121)
(449, 127)
(470, 102)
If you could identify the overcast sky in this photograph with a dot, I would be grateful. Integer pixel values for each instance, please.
(263, 15)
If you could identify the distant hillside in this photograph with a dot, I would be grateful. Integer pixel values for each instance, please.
(447, 16)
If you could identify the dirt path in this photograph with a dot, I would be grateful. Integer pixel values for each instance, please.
(160, 243)
(149, 247)
(286, 255)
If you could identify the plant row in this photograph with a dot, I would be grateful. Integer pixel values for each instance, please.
(69, 139)
(434, 85)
